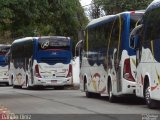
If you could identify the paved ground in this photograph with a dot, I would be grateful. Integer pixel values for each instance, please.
(49, 101)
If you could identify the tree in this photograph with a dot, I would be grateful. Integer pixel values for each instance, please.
(41, 17)
(116, 6)
(96, 9)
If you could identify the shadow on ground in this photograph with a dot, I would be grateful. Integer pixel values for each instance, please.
(3, 85)
(42, 88)
(126, 100)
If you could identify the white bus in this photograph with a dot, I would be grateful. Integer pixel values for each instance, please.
(4, 48)
(108, 63)
(145, 39)
(41, 61)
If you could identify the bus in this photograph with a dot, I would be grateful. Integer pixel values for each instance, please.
(4, 48)
(108, 62)
(41, 61)
(145, 39)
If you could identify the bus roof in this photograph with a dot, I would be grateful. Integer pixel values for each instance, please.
(109, 18)
(31, 38)
(100, 20)
(5, 45)
(22, 39)
(132, 12)
(58, 37)
(155, 4)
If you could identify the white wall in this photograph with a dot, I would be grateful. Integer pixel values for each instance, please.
(76, 70)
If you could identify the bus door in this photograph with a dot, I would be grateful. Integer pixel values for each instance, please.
(136, 43)
(118, 55)
(115, 50)
(117, 68)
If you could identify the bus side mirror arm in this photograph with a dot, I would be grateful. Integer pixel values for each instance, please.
(135, 37)
(78, 45)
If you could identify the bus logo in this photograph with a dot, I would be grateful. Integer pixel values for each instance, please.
(54, 53)
(45, 45)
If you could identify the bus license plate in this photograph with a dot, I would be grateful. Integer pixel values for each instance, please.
(53, 81)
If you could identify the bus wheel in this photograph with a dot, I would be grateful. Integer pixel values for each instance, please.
(7, 84)
(12, 80)
(112, 98)
(92, 95)
(17, 86)
(150, 103)
(89, 94)
(27, 83)
(14, 86)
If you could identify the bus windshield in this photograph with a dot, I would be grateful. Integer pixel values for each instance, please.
(54, 44)
(3, 51)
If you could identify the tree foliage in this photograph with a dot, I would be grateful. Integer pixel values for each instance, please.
(116, 6)
(21, 18)
(96, 9)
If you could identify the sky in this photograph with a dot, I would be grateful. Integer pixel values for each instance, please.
(85, 2)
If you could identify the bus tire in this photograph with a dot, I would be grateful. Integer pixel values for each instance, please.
(7, 84)
(150, 103)
(88, 94)
(12, 80)
(91, 95)
(112, 98)
(17, 86)
(14, 86)
(27, 83)
(97, 95)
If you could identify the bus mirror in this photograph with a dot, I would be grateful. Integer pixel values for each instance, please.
(73, 61)
(6, 60)
(132, 42)
(115, 50)
(135, 37)
(78, 47)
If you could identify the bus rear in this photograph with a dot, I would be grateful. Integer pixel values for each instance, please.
(53, 61)
(108, 63)
(145, 39)
(3, 64)
(128, 56)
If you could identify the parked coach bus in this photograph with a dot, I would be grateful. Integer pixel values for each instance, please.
(145, 39)
(41, 61)
(4, 48)
(108, 63)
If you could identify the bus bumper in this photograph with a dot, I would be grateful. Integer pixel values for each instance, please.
(54, 82)
(4, 80)
(129, 87)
